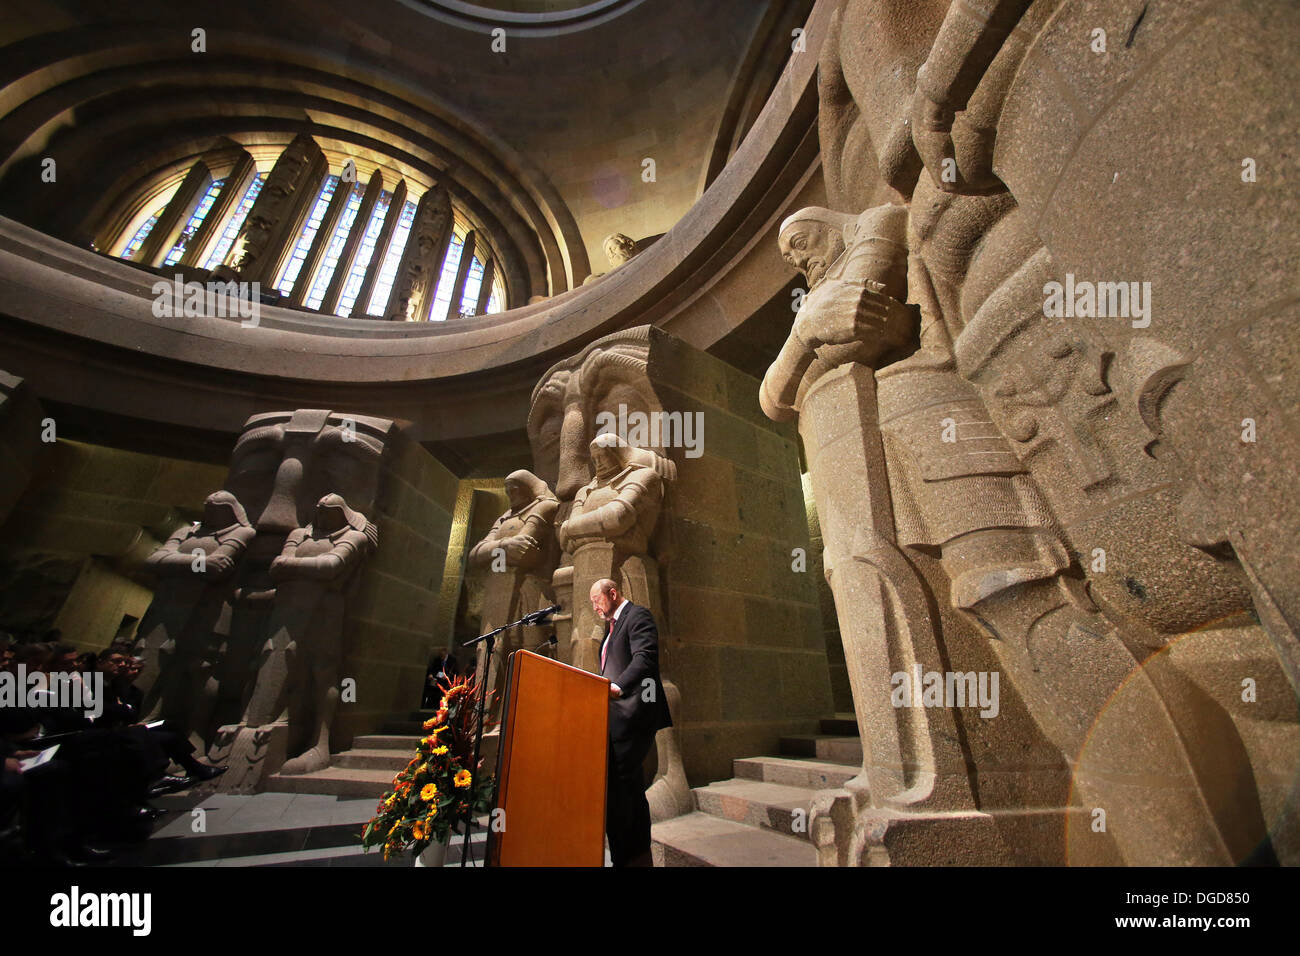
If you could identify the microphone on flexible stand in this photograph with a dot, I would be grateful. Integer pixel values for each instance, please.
(537, 617)
(549, 642)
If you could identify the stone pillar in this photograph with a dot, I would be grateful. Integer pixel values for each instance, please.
(226, 202)
(396, 204)
(485, 290)
(591, 562)
(168, 228)
(458, 287)
(417, 274)
(271, 228)
(349, 254)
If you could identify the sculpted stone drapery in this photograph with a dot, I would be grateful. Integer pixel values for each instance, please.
(517, 556)
(966, 452)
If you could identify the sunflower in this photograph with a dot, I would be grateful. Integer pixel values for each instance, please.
(429, 792)
(463, 778)
(439, 751)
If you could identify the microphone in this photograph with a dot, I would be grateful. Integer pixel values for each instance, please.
(538, 617)
(549, 642)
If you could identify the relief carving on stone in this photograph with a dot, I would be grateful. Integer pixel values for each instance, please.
(422, 258)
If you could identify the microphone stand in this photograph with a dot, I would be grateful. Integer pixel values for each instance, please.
(491, 637)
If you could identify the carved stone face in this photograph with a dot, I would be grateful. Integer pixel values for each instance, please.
(605, 459)
(577, 398)
(518, 494)
(619, 248)
(222, 510)
(285, 462)
(811, 246)
(330, 516)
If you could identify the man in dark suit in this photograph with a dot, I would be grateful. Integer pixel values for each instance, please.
(629, 657)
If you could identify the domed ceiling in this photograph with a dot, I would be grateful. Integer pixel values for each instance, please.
(582, 119)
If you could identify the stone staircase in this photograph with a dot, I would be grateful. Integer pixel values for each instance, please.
(760, 816)
(367, 770)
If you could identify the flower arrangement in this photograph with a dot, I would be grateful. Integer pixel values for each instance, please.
(430, 796)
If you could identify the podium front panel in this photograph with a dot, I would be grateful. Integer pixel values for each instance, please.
(554, 748)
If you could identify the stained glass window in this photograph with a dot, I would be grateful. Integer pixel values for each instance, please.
(228, 234)
(196, 219)
(384, 284)
(309, 230)
(362, 262)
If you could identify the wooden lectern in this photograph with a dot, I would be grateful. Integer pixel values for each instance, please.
(551, 770)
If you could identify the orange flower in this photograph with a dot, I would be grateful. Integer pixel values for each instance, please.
(428, 793)
(463, 778)
(420, 830)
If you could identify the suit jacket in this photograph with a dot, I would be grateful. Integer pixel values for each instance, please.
(631, 658)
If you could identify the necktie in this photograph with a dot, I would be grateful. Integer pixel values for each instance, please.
(605, 650)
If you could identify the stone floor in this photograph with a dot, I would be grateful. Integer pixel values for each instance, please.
(268, 829)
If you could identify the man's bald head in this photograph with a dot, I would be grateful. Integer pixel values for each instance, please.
(605, 598)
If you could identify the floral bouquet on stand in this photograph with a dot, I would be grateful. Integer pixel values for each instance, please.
(429, 798)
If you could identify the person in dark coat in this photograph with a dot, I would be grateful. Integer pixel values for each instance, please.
(638, 709)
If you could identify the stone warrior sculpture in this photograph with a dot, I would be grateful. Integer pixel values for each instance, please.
(608, 533)
(1003, 437)
(181, 645)
(519, 557)
(296, 692)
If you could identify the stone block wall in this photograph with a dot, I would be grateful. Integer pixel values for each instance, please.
(746, 643)
(71, 548)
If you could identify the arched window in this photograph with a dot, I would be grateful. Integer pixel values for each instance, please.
(142, 233)
(368, 247)
(228, 234)
(196, 219)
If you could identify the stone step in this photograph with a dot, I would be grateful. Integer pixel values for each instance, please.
(335, 781)
(352, 855)
(403, 742)
(362, 759)
(830, 747)
(843, 725)
(795, 771)
(411, 728)
(769, 806)
(699, 839)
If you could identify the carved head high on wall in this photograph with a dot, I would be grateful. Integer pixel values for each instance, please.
(567, 405)
(284, 463)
